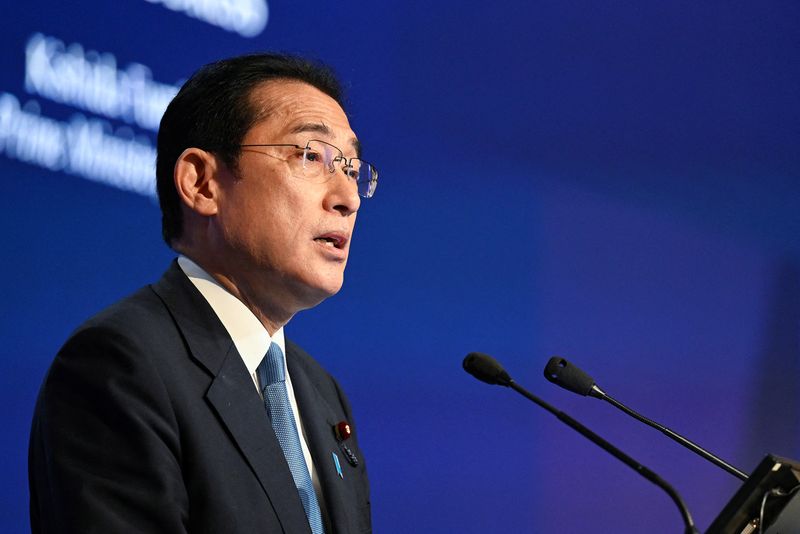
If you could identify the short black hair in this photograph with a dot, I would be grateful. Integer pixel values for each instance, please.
(213, 111)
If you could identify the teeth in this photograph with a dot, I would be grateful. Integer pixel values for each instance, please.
(327, 241)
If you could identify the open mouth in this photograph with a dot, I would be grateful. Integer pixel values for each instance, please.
(332, 241)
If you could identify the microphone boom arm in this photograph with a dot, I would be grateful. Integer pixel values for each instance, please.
(572, 378)
(616, 453)
(694, 447)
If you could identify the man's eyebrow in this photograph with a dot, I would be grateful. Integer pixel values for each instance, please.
(318, 127)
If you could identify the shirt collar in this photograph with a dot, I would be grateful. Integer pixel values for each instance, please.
(248, 334)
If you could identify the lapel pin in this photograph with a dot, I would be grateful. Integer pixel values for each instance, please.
(338, 465)
(350, 455)
(342, 430)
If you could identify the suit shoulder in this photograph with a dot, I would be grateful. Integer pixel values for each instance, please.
(125, 335)
(142, 309)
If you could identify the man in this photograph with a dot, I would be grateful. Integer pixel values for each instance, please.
(162, 413)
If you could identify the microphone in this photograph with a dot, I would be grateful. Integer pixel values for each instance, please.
(487, 369)
(562, 373)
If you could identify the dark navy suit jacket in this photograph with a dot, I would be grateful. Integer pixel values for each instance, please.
(148, 421)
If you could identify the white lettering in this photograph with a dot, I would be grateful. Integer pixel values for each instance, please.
(91, 80)
(248, 18)
(28, 137)
(83, 147)
(96, 153)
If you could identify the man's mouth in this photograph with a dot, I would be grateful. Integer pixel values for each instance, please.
(331, 240)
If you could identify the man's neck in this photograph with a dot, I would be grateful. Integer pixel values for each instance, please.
(271, 315)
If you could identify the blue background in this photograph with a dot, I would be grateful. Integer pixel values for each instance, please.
(614, 182)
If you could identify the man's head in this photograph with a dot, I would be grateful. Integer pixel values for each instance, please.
(213, 111)
(250, 207)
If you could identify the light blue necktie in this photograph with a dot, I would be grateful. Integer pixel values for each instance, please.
(272, 376)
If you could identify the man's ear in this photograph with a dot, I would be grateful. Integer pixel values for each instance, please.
(196, 176)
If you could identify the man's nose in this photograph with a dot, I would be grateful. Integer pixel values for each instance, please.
(342, 193)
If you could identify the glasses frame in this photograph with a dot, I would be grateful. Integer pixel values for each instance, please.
(348, 162)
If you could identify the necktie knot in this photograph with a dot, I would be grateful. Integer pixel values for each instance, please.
(272, 369)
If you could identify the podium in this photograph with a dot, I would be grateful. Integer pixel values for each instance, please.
(768, 502)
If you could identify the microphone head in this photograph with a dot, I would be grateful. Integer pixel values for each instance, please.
(487, 369)
(559, 371)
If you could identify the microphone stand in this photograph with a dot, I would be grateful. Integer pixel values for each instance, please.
(572, 378)
(690, 527)
(695, 448)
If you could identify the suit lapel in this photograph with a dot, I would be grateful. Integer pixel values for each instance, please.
(232, 394)
(318, 421)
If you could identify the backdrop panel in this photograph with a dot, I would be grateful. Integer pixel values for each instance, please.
(613, 182)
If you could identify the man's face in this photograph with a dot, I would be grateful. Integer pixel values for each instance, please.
(286, 239)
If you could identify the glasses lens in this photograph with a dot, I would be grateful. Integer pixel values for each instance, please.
(367, 177)
(318, 160)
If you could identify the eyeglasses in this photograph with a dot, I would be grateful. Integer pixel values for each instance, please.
(317, 161)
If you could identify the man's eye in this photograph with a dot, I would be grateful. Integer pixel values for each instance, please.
(313, 157)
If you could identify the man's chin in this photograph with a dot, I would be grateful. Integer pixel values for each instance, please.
(331, 289)
(320, 291)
